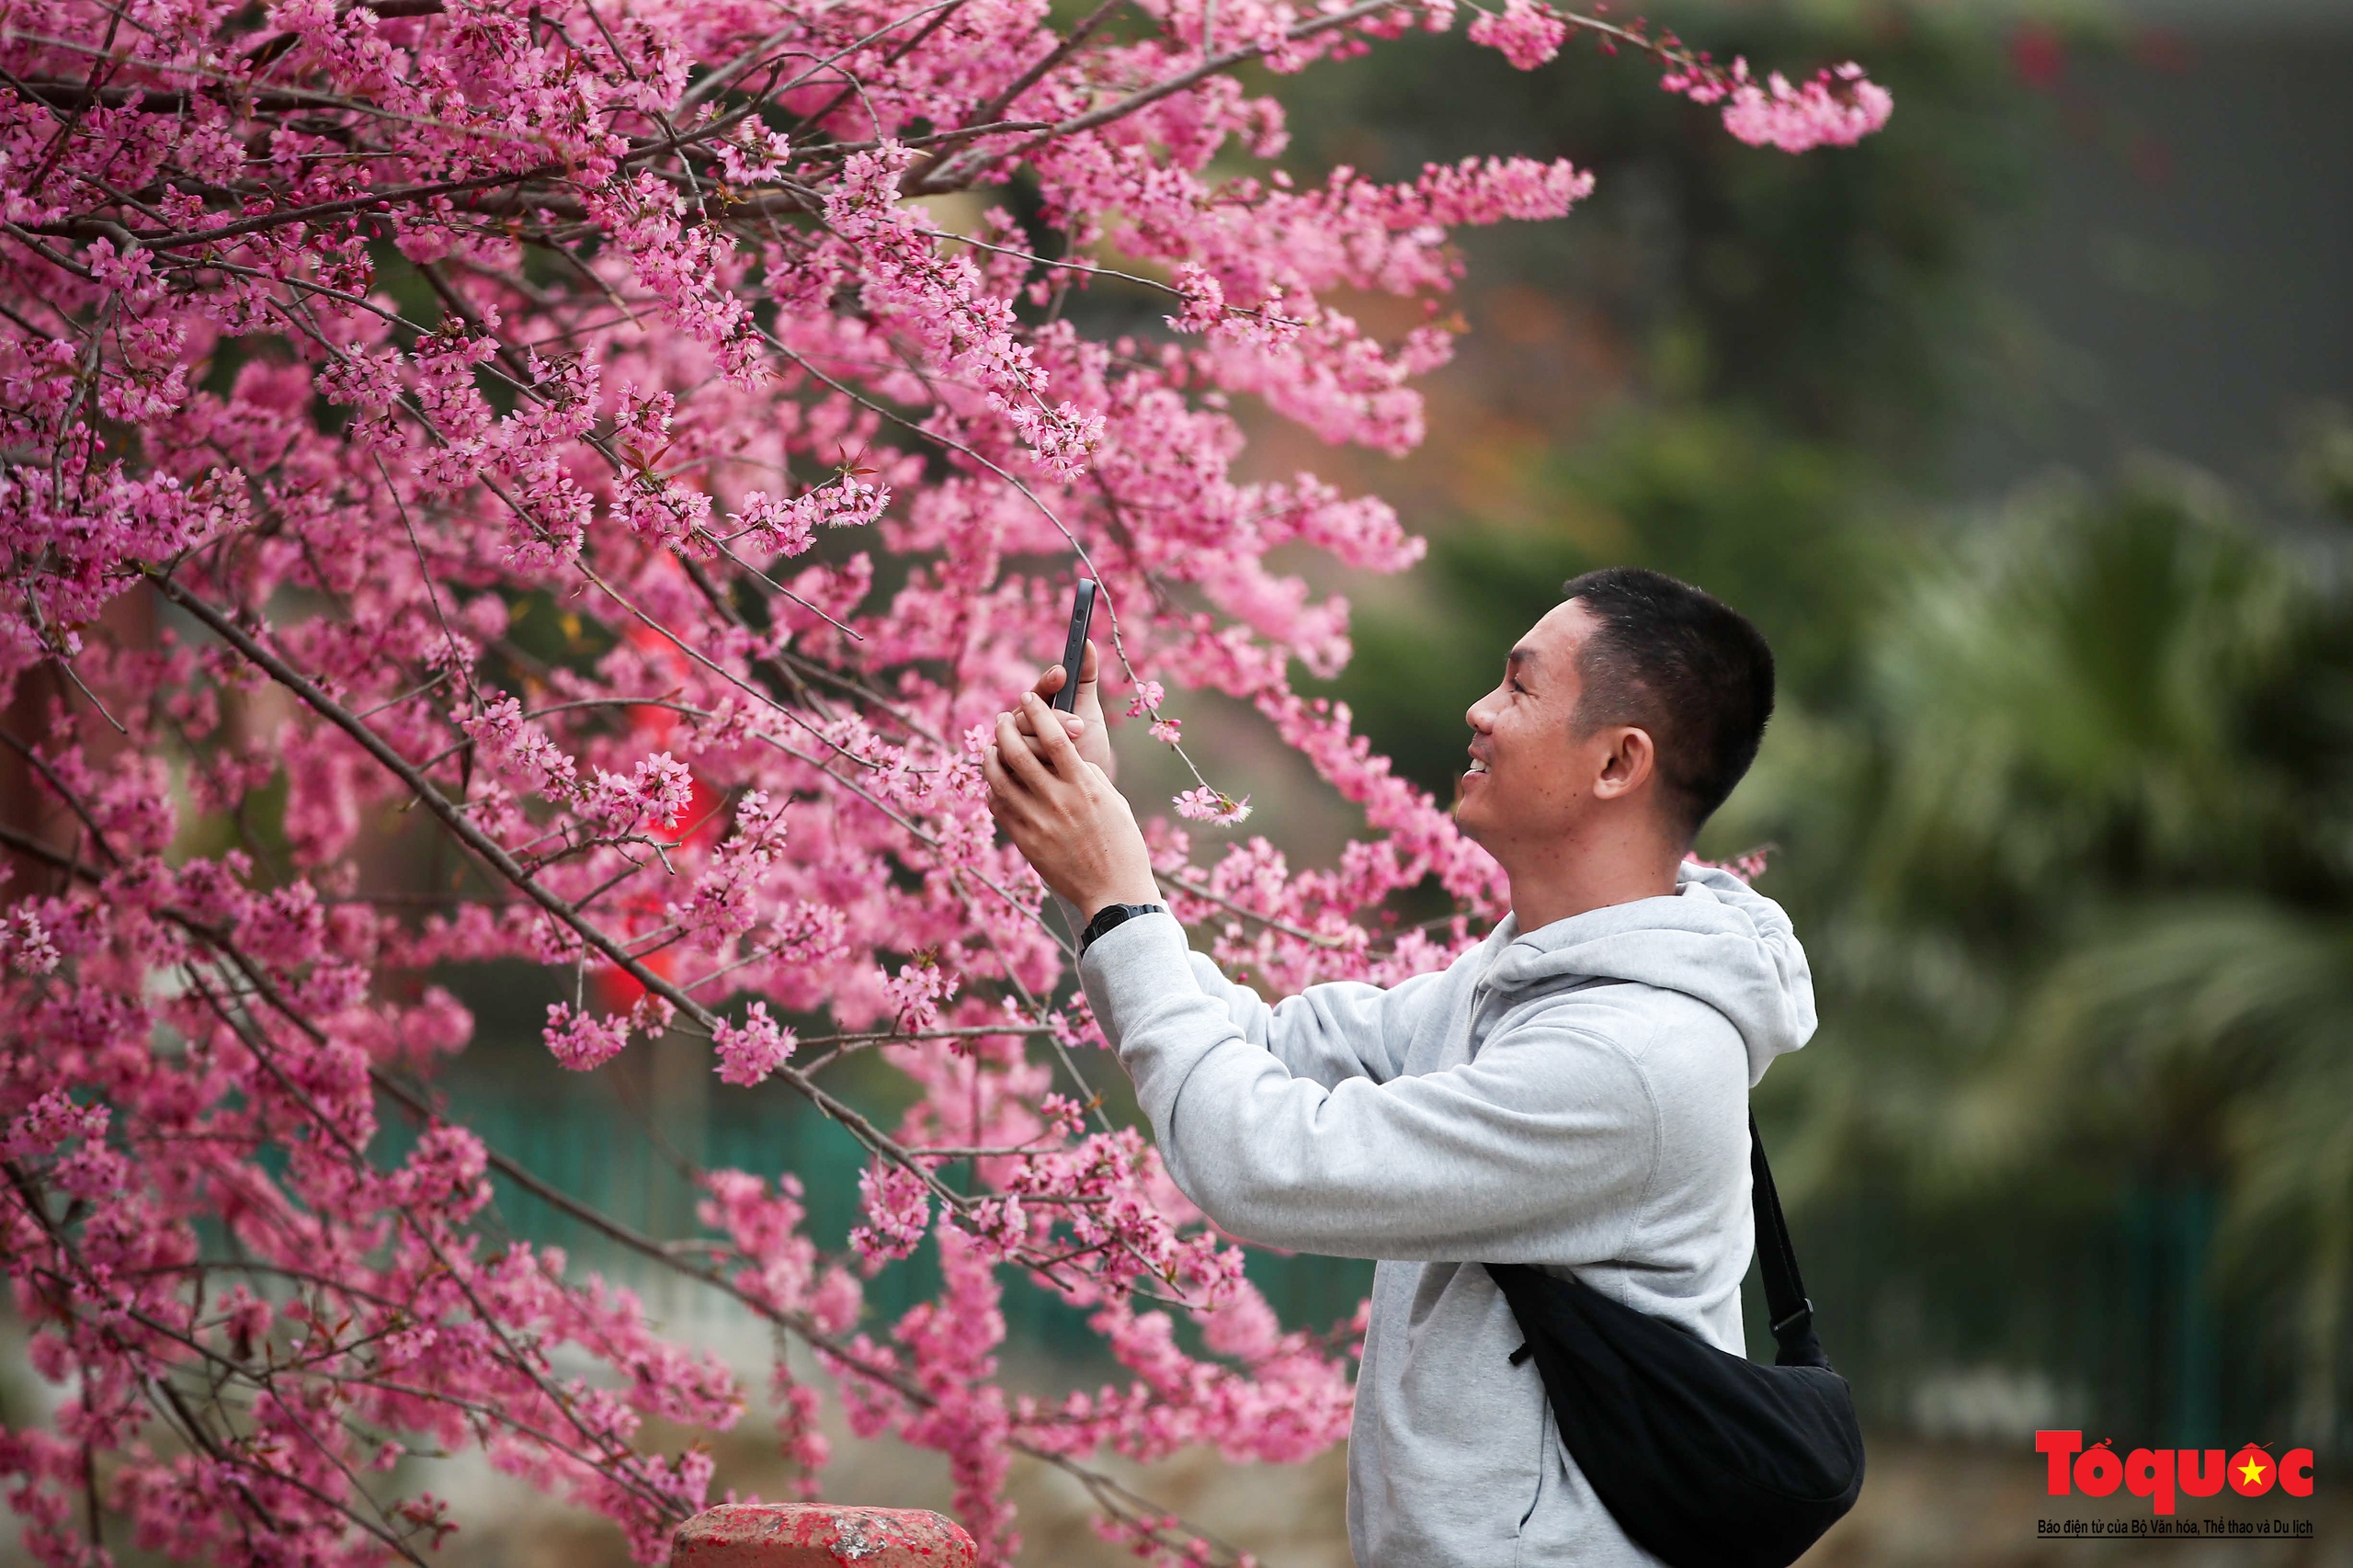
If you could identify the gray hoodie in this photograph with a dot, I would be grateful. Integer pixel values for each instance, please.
(1575, 1097)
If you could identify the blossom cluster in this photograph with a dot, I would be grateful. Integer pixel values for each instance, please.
(1837, 107)
(538, 485)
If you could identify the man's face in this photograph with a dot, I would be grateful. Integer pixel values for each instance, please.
(1530, 773)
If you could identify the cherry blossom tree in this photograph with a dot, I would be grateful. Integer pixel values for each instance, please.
(337, 339)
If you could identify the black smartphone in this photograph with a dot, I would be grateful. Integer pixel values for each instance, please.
(1082, 610)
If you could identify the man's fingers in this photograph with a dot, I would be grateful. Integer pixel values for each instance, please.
(1014, 754)
(1036, 746)
(1054, 740)
(1050, 680)
(1005, 790)
(1029, 725)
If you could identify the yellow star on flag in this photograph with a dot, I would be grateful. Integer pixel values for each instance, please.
(2252, 1470)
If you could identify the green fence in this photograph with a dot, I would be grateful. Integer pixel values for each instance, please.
(2114, 1314)
(2117, 1313)
(605, 1158)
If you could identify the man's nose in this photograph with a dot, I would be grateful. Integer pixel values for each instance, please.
(1476, 714)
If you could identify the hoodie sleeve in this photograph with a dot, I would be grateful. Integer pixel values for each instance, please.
(1340, 1030)
(1541, 1150)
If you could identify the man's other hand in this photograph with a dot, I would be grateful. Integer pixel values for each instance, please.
(1092, 737)
(1059, 810)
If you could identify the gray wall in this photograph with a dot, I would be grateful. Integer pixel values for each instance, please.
(2186, 277)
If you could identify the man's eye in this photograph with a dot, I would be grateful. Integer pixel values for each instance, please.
(1517, 686)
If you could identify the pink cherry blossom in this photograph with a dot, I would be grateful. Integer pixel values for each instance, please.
(1837, 109)
(749, 1053)
(1528, 34)
(898, 1212)
(1210, 804)
(1819, 114)
(581, 1040)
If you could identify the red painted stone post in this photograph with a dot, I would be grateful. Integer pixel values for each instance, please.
(819, 1535)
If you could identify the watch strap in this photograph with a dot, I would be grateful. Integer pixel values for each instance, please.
(1114, 914)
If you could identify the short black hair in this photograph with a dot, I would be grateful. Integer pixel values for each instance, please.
(1684, 665)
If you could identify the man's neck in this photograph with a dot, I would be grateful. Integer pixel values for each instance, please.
(1568, 879)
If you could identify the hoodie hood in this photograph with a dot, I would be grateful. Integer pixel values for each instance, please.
(1714, 938)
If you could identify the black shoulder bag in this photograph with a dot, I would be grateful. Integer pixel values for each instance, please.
(1706, 1459)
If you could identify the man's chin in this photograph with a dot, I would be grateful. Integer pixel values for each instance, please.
(1466, 818)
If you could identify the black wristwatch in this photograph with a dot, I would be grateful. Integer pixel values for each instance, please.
(1112, 914)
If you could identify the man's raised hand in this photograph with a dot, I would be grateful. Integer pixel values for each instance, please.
(1060, 811)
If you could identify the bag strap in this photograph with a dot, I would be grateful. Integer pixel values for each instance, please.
(1785, 1297)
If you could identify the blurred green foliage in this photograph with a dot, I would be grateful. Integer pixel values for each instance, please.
(1826, 293)
(2075, 866)
(2061, 792)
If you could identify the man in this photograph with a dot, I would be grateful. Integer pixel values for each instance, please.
(1571, 1093)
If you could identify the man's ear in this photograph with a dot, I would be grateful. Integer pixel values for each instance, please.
(1629, 764)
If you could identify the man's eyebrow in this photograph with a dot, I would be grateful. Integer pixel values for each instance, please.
(1520, 656)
